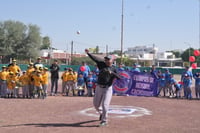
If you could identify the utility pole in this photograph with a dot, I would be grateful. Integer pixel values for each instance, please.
(106, 49)
(199, 24)
(122, 30)
(67, 57)
(153, 54)
(72, 48)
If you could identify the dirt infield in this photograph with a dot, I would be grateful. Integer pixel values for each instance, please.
(58, 114)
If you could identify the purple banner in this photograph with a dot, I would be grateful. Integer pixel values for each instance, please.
(135, 84)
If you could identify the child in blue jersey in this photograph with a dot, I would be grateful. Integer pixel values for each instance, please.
(161, 84)
(167, 80)
(95, 77)
(134, 68)
(172, 81)
(178, 88)
(187, 83)
(189, 73)
(96, 70)
(120, 67)
(90, 83)
(80, 85)
(197, 85)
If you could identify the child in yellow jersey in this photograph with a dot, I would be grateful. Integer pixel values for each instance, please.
(3, 82)
(18, 85)
(45, 78)
(11, 84)
(37, 81)
(30, 69)
(70, 82)
(64, 80)
(31, 83)
(13, 67)
(24, 80)
(75, 81)
(30, 72)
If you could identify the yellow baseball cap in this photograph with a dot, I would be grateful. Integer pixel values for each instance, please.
(11, 73)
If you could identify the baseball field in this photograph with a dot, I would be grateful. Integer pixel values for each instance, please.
(128, 114)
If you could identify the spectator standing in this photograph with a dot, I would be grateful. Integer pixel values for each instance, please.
(135, 68)
(54, 77)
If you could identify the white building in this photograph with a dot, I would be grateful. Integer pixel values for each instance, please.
(168, 59)
(165, 55)
(141, 52)
(144, 53)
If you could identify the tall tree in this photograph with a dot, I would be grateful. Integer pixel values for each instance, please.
(186, 54)
(45, 43)
(18, 40)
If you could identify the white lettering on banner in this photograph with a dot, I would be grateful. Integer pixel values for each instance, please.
(140, 92)
(142, 86)
(143, 78)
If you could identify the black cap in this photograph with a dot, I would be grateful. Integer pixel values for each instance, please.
(108, 57)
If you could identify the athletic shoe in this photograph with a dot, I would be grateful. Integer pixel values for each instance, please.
(102, 124)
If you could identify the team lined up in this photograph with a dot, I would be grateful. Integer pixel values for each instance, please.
(34, 81)
(173, 88)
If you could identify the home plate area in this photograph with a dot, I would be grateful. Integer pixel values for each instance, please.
(117, 111)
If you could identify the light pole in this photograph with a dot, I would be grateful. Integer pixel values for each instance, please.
(122, 30)
(199, 24)
(72, 48)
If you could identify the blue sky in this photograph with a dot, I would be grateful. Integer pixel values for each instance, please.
(165, 23)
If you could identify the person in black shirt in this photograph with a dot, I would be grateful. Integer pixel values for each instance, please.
(54, 77)
(104, 90)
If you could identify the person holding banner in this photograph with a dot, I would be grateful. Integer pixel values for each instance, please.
(104, 90)
(135, 68)
(154, 72)
(120, 67)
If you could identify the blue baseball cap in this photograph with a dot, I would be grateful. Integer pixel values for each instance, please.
(135, 64)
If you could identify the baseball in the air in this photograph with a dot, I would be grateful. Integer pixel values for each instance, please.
(78, 32)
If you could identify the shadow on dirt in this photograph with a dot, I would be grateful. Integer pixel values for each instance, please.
(79, 124)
